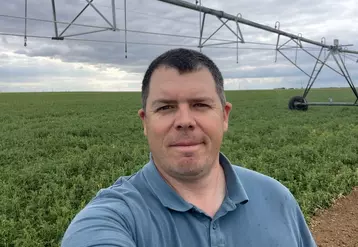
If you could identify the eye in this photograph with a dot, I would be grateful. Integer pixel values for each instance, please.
(166, 107)
(200, 105)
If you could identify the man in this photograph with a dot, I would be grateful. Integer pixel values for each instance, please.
(188, 194)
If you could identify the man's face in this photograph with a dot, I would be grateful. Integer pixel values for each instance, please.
(184, 122)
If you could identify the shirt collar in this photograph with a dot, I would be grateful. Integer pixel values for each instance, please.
(235, 189)
(170, 198)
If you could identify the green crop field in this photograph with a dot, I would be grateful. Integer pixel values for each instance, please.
(58, 149)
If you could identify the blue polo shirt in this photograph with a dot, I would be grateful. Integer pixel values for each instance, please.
(142, 210)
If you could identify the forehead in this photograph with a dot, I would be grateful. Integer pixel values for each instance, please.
(170, 83)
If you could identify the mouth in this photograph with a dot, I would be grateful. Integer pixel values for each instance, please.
(186, 146)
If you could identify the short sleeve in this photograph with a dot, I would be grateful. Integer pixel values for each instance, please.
(105, 222)
(305, 235)
(301, 229)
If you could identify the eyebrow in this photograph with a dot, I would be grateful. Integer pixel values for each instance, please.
(169, 101)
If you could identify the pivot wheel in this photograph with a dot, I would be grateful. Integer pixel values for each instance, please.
(298, 103)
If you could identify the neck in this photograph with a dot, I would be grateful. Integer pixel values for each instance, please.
(206, 193)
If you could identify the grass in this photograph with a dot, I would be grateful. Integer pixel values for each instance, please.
(58, 149)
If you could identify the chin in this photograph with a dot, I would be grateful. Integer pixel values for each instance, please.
(188, 170)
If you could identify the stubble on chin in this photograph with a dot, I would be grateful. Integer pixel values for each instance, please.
(188, 167)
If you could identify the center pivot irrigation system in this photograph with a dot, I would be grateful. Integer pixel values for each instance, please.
(295, 103)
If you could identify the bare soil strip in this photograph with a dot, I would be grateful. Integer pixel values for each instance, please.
(338, 225)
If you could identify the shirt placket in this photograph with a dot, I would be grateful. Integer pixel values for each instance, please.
(216, 236)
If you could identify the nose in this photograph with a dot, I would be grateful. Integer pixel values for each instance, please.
(184, 119)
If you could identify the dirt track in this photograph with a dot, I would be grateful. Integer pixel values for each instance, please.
(338, 226)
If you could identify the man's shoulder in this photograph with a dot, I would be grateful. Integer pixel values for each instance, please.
(114, 199)
(112, 209)
(256, 183)
(254, 176)
(124, 191)
(275, 202)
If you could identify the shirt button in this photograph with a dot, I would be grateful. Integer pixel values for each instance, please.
(214, 226)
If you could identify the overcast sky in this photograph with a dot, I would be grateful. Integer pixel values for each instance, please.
(82, 65)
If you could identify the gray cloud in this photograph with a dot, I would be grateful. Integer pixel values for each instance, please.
(313, 18)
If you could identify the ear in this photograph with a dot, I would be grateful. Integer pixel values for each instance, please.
(141, 114)
(227, 110)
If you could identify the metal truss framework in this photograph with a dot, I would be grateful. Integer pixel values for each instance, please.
(112, 26)
(295, 103)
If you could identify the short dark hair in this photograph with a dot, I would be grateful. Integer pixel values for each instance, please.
(185, 61)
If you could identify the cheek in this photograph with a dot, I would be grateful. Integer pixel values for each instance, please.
(157, 129)
(212, 124)
(211, 128)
